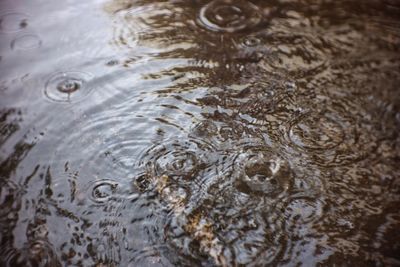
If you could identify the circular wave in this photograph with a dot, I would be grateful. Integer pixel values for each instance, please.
(303, 210)
(97, 162)
(125, 36)
(228, 220)
(36, 253)
(13, 22)
(101, 191)
(179, 160)
(333, 135)
(147, 24)
(298, 54)
(262, 173)
(26, 42)
(315, 131)
(229, 229)
(229, 16)
(68, 87)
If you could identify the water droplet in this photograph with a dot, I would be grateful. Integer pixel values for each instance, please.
(262, 173)
(229, 16)
(13, 22)
(290, 86)
(69, 86)
(252, 41)
(26, 42)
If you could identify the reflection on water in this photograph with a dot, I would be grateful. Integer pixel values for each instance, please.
(199, 133)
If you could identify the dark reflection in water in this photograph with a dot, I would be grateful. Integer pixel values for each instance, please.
(200, 133)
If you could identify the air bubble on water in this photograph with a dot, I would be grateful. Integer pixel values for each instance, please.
(252, 41)
(291, 86)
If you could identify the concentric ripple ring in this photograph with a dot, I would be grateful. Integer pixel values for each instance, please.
(316, 132)
(70, 86)
(229, 16)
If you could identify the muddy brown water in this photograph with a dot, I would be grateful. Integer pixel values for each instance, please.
(199, 133)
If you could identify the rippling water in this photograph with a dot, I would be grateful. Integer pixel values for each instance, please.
(200, 133)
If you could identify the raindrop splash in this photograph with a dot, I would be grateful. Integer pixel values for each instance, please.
(262, 173)
(68, 87)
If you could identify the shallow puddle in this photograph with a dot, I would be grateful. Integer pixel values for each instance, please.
(199, 133)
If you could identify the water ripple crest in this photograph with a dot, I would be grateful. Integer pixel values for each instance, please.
(229, 16)
(68, 87)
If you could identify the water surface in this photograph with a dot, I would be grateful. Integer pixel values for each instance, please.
(199, 133)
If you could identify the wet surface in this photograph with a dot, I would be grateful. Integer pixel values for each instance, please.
(200, 133)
